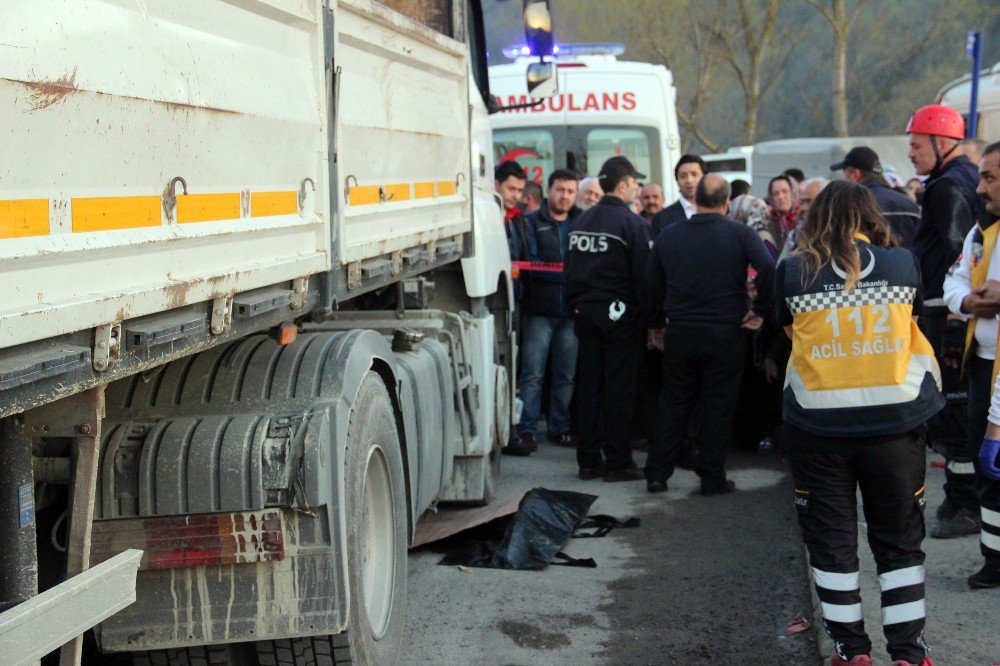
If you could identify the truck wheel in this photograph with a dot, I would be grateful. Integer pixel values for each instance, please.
(376, 527)
(377, 539)
(235, 654)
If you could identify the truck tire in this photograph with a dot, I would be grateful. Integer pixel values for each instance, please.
(201, 655)
(377, 536)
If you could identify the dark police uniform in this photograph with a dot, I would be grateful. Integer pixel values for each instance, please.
(861, 382)
(608, 250)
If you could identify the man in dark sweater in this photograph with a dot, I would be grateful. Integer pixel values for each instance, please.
(607, 255)
(950, 209)
(696, 286)
(861, 165)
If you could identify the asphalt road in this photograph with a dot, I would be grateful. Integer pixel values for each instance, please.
(702, 581)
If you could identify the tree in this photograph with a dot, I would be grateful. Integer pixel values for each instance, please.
(841, 20)
(747, 45)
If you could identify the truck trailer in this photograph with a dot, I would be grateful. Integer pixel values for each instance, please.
(256, 320)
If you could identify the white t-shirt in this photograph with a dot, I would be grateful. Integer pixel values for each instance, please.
(958, 285)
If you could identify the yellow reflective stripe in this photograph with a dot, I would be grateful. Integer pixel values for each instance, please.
(362, 195)
(423, 190)
(397, 192)
(446, 188)
(24, 217)
(110, 213)
(207, 207)
(265, 204)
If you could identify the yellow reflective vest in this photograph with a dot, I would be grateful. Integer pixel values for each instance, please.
(859, 367)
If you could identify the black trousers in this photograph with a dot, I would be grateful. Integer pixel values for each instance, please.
(605, 385)
(702, 367)
(980, 372)
(889, 471)
(949, 429)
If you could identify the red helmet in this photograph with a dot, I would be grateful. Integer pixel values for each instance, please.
(937, 120)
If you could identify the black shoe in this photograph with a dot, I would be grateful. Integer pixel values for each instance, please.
(947, 510)
(963, 522)
(656, 486)
(985, 578)
(516, 448)
(527, 441)
(628, 474)
(709, 488)
(588, 473)
(563, 439)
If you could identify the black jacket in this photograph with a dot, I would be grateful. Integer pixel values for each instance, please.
(543, 294)
(669, 215)
(607, 254)
(950, 209)
(899, 210)
(698, 272)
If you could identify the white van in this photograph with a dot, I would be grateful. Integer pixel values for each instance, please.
(957, 93)
(734, 164)
(604, 108)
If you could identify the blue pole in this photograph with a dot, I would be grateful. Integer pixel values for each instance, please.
(975, 51)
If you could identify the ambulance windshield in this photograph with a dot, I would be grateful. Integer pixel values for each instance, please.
(581, 148)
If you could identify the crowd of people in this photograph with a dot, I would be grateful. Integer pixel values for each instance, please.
(853, 321)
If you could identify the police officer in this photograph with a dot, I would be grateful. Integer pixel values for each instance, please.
(861, 383)
(608, 250)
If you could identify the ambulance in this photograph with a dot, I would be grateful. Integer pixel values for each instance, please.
(604, 107)
(958, 93)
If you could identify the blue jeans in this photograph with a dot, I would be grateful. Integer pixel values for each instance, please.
(539, 335)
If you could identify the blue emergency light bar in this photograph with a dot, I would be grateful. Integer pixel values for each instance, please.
(516, 51)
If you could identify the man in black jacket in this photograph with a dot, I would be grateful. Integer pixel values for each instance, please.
(546, 319)
(950, 209)
(608, 250)
(688, 172)
(861, 165)
(696, 286)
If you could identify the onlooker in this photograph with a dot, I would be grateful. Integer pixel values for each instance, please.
(739, 187)
(509, 180)
(950, 208)
(688, 172)
(608, 251)
(795, 174)
(915, 186)
(973, 149)
(854, 410)
(810, 190)
(696, 287)
(652, 200)
(589, 194)
(531, 197)
(546, 319)
(861, 165)
(753, 212)
(972, 291)
(783, 198)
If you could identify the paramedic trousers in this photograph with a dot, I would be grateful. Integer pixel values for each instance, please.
(889, 470)
(605, 385)
(980, 372)
(702, 368)
(948, 431)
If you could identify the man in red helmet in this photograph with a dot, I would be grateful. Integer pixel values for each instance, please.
(950, 209)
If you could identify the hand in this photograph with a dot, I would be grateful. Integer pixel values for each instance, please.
(980, 306)
(770, 369)
(752, 321)
(654, 338)
(990, 291)
(988, 453)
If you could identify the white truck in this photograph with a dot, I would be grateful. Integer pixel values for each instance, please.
(255, 320)
(958, 94)
(605, 107)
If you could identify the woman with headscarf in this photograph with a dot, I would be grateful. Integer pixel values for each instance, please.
(754, 213)
(783, 197)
